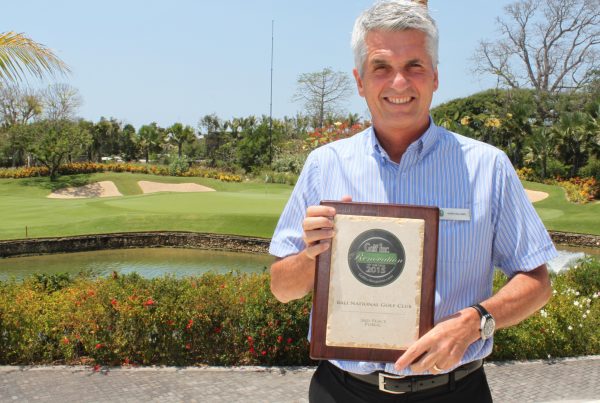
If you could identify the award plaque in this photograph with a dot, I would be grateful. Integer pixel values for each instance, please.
(375, 286)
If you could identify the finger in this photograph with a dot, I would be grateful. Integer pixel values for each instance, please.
(314, 236)
(314, 223)
(426, 363)
(409, 356)
(315, 250)
(320, 211)
(346, 198)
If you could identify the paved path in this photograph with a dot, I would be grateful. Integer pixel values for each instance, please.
(570, 380)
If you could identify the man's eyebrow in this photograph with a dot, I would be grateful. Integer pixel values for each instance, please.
(379, 61)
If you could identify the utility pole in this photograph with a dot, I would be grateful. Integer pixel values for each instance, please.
(271, 99)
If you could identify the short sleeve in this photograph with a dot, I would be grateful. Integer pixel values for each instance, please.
(521, 242)
(287, 239)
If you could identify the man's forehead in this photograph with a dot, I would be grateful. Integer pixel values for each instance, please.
(411, 44)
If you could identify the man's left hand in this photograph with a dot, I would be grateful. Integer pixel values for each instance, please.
(443, 346)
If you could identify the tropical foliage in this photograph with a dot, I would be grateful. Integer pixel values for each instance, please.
(233, 320)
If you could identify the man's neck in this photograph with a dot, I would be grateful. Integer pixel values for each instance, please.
(395, 142)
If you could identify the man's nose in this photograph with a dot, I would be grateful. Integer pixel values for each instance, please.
(399, 81)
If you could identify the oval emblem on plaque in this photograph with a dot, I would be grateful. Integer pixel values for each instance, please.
(376, 257)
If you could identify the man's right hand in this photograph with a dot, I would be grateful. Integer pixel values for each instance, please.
(293, 277)
(318, 229)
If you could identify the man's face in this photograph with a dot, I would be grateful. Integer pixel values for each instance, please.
(398, 81)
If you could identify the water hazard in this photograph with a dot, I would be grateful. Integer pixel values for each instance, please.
(149, 263)
(157, 262)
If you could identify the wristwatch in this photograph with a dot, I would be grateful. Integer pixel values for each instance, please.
(487, 325)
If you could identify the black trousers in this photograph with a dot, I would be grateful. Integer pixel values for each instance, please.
(330, 384)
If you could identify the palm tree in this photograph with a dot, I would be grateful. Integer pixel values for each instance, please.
(178, 135)
(20, 54)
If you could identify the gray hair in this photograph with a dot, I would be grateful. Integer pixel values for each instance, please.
(393, 15)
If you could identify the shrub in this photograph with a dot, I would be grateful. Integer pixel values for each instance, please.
(567, 326)
(179, 166)
(93, 167)
(592, 169)
(215, 319)
(232, 319)
(579, 190)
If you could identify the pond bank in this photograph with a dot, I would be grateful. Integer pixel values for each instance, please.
(176, 239)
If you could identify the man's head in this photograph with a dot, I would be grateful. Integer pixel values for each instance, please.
(393, 15)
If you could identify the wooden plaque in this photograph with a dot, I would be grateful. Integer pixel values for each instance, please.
(375, 287)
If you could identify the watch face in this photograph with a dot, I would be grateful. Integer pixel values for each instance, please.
(488, 328)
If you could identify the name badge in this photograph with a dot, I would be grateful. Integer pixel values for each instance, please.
(455, 214)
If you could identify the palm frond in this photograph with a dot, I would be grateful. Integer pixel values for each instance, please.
(20, 54)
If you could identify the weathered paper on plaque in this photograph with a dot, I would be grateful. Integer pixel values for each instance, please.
(375, 282)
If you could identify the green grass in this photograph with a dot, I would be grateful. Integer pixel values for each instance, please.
(559, 214)
(248, 208)
(236, 208)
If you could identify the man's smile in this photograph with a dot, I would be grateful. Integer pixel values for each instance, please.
(398, 100)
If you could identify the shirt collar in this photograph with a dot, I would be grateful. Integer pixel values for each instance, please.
(422, 145)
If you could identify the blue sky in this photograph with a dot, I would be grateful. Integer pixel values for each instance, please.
(175, 61)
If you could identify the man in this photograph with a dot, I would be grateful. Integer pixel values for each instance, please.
(406, 159)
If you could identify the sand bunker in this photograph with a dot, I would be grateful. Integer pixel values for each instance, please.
(98, 189)
(153, 187)
(535, 196)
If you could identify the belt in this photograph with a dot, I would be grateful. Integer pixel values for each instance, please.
(398, 384)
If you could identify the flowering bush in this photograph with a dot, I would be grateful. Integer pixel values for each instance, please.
(579, 190)
(333, 132)
(229, 319)
(214, 319)
(567, 326)
(93, 167)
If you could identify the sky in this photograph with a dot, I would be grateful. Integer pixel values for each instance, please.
(141, 61)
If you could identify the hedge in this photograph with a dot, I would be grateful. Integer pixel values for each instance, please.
(93, 167)
(231, 319)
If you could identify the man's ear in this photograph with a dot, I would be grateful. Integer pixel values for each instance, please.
(436, 82)
(359, 83)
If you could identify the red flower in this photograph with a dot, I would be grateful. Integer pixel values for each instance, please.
(96, 368)
(263, 352)
(251, 349)
(190, 324)
(149, 302)
(242, 300)
(188, 346)
(99, 346)
(170, 322)
(289, 340)
(114, 302)
(279, 339)
(217, 330)
(65, 340)
(250, 339)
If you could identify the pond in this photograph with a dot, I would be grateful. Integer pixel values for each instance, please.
(149, 263)
(156, 262)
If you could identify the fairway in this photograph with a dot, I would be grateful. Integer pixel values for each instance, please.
(248, 208)
(235, 208)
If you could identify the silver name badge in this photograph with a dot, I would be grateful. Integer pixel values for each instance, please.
(455, 214)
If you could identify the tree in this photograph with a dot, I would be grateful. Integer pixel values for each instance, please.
(322, 93)
(61, 102)
(51, 142)
(150, 139)
(18, 106)
(19, 54)
(548, 45)
(180, 135)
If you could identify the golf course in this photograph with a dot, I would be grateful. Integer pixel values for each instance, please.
(247, 208)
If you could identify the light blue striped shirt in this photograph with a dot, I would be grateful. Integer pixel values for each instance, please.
(441, 169)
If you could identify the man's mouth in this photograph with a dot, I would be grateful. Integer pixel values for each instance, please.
(399, 100)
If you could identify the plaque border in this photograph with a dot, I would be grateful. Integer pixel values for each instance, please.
(430, 215)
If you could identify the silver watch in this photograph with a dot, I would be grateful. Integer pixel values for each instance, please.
(487, 325)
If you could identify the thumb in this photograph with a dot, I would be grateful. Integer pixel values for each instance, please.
(346, 198)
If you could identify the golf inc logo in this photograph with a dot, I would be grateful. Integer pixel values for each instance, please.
(376, 257)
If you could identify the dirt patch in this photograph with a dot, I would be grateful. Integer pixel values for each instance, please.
(535, 196)
(98, 189)
(153, 187)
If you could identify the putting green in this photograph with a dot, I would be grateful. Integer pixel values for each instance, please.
(248, 208)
